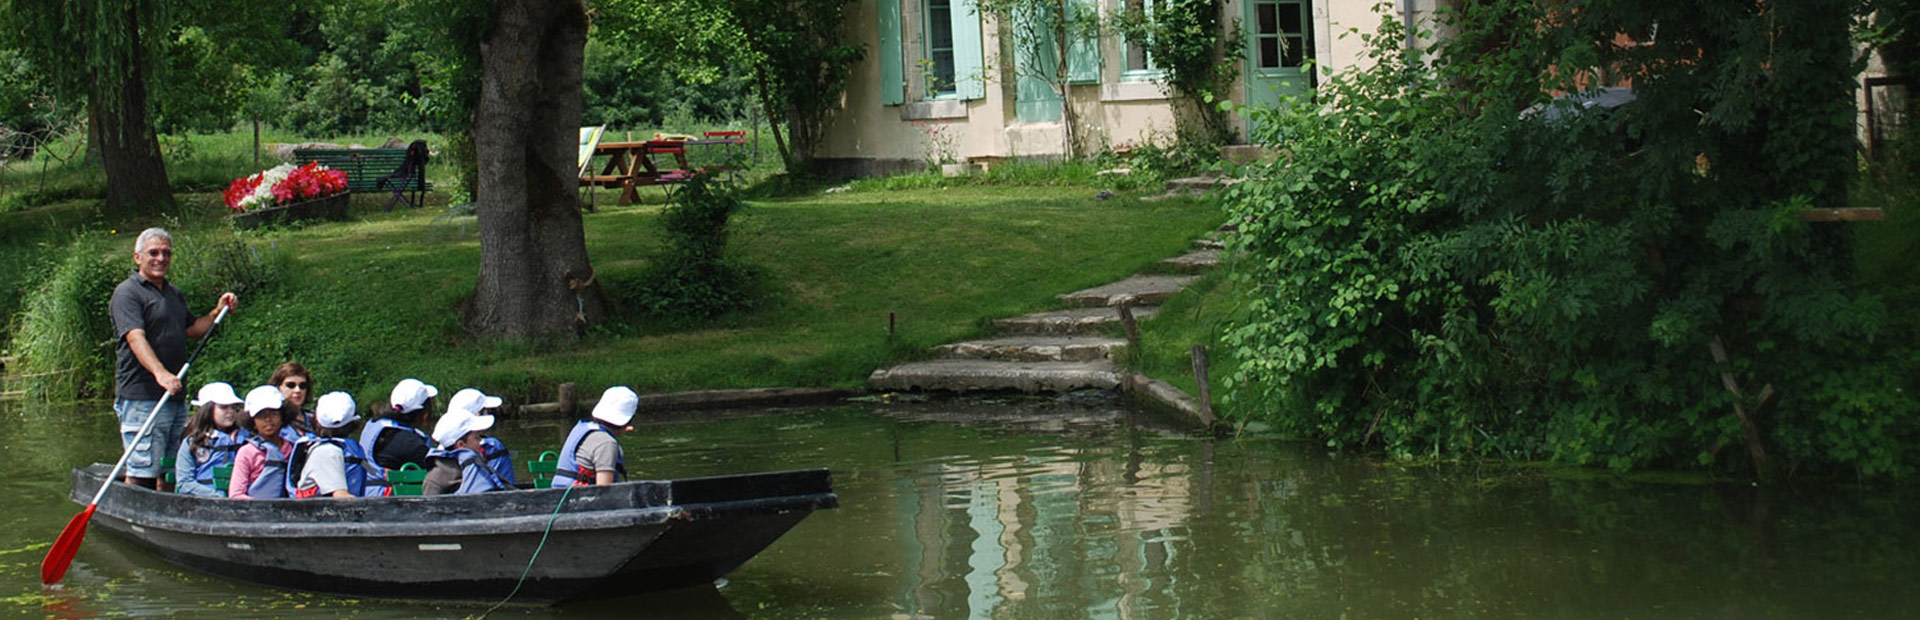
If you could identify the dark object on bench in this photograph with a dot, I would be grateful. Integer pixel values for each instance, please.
(366, 168)
(412, 171)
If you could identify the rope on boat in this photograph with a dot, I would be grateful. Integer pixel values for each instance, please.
(536, 554)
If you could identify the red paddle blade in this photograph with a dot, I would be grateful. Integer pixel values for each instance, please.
(54, 568)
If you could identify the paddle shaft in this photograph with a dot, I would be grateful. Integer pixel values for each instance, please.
(155, 413)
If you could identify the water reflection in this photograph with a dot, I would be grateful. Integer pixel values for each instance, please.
(1026, 509)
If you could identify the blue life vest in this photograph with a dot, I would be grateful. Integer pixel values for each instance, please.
(272, 482)
(476, 476)
(499, 459)
(297, 426)
(569, 472)
(371, 435)
(361, 481)
(218, 452)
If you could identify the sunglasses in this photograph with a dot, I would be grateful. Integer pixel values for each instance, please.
(297, 385)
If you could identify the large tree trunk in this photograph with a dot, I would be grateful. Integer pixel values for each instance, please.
(117, 113)
(535, 280)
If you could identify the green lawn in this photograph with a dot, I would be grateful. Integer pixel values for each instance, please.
(368, 302)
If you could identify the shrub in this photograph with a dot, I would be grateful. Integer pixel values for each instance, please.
(64, 338)
(691, 279)
(1432, 271)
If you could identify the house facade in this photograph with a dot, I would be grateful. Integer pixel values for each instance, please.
(942, 79)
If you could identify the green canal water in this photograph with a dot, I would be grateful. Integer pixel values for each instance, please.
(1035, 509)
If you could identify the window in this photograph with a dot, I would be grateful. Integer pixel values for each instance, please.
(929, 49)
(1140, 65)
(937, 64)
(1280, 34)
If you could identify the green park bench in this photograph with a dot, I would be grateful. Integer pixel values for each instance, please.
(366, 168)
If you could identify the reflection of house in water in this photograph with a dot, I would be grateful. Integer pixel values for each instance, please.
(1039, 531)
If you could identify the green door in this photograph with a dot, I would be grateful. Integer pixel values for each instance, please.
(1278, 49)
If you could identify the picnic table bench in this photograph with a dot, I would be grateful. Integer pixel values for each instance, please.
(632, 165)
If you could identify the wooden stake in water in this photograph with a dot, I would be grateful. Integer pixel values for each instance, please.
(1204, 387)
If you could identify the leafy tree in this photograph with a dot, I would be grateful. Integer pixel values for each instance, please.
(794, 50)
(108, 51)
(1447, 263)
(535, 280)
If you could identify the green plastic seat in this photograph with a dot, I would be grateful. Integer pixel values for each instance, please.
(166, 470)
(542, 468)
(407, 480)
(222, 474)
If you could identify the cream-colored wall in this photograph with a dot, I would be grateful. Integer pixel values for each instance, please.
(1113, 112)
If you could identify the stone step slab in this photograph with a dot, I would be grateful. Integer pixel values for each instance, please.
(996, 376)
(1034, 349)
(1070, 322)
(1194, 262)
(1143, 289)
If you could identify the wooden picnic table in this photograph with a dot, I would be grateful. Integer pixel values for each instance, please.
(635, 164)
(631, 165)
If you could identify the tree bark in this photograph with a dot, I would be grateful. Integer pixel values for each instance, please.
(535, 279)
(136, 176)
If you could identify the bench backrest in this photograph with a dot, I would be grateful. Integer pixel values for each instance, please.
(364, 167)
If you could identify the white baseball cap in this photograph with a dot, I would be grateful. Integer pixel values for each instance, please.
(218, 394)
(616, 405)
(472, 401)
(335, 410)
(263, 398)
(411, 394)
(456, 424)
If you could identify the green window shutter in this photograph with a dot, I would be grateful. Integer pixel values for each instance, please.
(967, 59)
(893, 83)
(1083, 51)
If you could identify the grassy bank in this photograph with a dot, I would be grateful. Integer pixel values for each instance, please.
(367, 302)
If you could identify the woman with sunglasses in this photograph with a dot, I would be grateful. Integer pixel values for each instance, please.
(296, 388)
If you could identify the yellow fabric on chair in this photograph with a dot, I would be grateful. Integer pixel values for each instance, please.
(589, 141)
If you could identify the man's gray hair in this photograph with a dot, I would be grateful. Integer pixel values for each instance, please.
(140, 245)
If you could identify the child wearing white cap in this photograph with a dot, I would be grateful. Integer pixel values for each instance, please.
(591, 454)
(329, 464)
(458, 464)
(395, 438)
(260, 468)
(212, 439)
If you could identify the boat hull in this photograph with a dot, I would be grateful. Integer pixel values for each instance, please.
(605, 541)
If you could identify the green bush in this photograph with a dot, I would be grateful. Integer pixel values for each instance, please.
(1433, 272)
(63, 338)
(691, 278)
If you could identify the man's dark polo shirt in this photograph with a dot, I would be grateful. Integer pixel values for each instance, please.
(162, 312)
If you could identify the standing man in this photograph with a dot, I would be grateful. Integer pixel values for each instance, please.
(151, 323)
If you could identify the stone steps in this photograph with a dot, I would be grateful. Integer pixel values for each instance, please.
(1070, 322)
(1142, 289)
(990, 375)
(1197, 261)
(1034, 349)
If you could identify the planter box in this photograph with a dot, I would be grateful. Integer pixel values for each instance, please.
(330, 208)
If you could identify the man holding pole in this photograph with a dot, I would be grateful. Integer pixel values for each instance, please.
(151, 324)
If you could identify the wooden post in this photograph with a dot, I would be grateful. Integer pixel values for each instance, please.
(1132, 327)
(569, 402)
(889, 326)
(1204, 387)
(256, 141)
